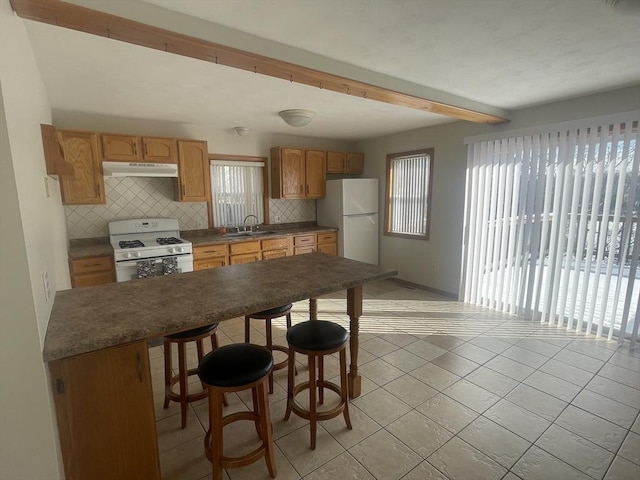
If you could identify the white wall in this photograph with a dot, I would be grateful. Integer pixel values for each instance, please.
(436, 263)
(33, 241)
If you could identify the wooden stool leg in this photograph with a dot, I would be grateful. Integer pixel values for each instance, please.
(200, 354)
(247, 329)
(255, 399)
(270, 348)
(344, 389)
(182, 372)
(214, 345)
(312, 400)
(267, 430)
(216, 426)
(290, 380)
(167, 372)
(320, 379)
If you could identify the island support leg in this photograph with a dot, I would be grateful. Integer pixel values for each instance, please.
(313, 309)
(354, 309)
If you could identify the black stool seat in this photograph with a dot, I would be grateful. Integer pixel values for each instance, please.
(194, 332)
(317, 335)
(274, 311)
(235, 365)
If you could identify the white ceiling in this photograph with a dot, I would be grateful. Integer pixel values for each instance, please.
(504, 54)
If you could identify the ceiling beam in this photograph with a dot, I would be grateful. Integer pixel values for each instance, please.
(67, 15)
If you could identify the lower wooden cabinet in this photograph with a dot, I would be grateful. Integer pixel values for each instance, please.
(104, 408)
(245, 252)
(321, 242)
(89, 271)
(209, 256)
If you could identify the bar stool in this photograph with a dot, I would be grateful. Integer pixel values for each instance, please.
(182, 378)
(233, 368)
(317, 338)
(269, 315)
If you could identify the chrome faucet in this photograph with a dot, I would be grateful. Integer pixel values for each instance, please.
(244, 222)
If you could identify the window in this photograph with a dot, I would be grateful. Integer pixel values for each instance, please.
(237, 190)
(408, 194)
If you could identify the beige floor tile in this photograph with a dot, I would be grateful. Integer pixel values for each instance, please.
(380, 371)
(631, 448)
(595, 429)
(381, 406)
(535, 401)
(421, 434)
(425, 349)
(592, 348)
(405, 361)
(474, 353)
(621, 375)
(471, 395)
(280, 427)
(447, 412)
(517, 419)
(259, 471)
(363, 426)
(604, 407)
(538, 346)
(567, 373)
(510, 368)
(616, 391)
(435, 376)
(343, 467)
(386, 457)
(170, 433)
(622, 469)
(455, 364)
(622, 359)
(536, 464)
(578, 360)
(551, 385)
(460, 461)
(524, 356)
(410, 390)
(399, 338)
(576, 451)
(448, 342)
(492, 344)
(636, 426)
(495, 441)
(425, 471)
(296, 448)
(378, 346)
(187, 461)
(492, 381)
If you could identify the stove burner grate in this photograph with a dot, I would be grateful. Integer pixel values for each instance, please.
(168, 241)
(130, 244)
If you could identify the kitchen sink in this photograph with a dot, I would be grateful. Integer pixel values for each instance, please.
(247, 234)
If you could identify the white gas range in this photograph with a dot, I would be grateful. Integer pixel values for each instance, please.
(149, 247)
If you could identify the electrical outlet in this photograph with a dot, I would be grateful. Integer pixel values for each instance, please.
(46, 285)
(276, 218)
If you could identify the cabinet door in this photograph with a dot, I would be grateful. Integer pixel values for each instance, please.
(336, 162)
(315, 168)
(266, 255)
(124, 148)
(245, 258)
(160, 150)
(193, 171)
(355, 163)
(86, 185)
(330, 248)
(207, 263)
(104, 408)
(292, 173)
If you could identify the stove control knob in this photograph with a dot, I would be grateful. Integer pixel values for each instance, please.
(138, 254)
(127, 255)
(179, 249)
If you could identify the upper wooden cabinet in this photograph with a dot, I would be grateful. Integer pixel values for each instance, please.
(128, 148)
(86, 185)
(343, 162)
(297, 173)
(193, 167)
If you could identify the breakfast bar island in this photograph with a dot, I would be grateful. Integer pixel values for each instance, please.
(96, 346)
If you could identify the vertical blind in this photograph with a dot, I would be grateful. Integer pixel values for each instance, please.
(409, 194)
(551, 226)
(236, 191)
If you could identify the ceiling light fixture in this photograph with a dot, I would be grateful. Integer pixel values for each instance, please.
(297, 117)
(241, 131)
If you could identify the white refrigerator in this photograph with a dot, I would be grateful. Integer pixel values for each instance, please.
(351, 205)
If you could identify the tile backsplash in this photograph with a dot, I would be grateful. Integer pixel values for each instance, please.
(138, 197)
(133, 197)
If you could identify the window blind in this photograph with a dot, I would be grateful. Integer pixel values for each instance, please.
(236, 191)
(551, 226)
(409, 194)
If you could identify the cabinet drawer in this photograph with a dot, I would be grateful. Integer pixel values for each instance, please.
(245, 258)
(207, 263)
(90, 279)
(331, 237)
(244, 247)
(275, 243)
(304, 240)
(274, 254)
(210, 251)
(302, 250)
(330, 248)
(89, 265)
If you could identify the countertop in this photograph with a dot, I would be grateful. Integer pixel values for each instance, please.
(87, 319)
(101, 247)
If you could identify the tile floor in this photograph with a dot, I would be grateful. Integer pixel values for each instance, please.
(450, 391)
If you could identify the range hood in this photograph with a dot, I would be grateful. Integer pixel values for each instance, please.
(127, 169)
